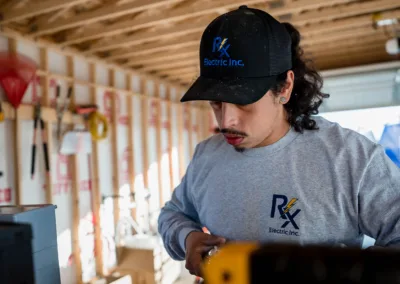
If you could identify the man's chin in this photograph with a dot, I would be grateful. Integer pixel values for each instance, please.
(242, 147)
(239, 149)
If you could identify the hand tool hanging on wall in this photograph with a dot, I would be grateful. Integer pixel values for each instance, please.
(16, 73)
(1, 120)
(79, 140)
(95, 120)
(2, 117)
(61, 109)
(38, 119)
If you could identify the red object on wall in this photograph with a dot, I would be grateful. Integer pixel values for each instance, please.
(5, 195)
(154, 106)
(16, 73)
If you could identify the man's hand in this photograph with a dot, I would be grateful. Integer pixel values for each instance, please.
(198, 244)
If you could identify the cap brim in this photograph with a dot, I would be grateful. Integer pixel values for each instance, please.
(241, 91)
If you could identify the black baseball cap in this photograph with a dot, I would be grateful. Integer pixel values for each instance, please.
(241, 54)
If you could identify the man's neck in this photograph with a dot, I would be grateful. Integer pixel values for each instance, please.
(277, 133)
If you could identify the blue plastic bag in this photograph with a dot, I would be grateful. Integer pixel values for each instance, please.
(390, 140)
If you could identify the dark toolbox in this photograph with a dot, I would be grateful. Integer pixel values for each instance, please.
(42, 218)
(16, 259)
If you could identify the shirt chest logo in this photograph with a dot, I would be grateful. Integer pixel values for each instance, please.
(285, 209)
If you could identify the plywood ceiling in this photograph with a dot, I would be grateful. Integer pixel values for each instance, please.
(161, 37)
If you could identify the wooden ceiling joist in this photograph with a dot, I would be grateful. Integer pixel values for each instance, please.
(353, 22)
(8, 5)
(189, 13)
(352, 41)
(21, 3)
(161, 38)
(341, 35)
(106, 12)
(355, 61)
(346, 58)
(183, 29)
(149, 48)
(189, 75)
(179, 71)
(198, 26)
(32, 9)
(182, 54)
(352, 9)
(299, 6)
(346, 46)
(193, 40)
(167, 17)
(187, 80)
(169, 65)
(349, 50)
(179, 30)
(58, 14)
(337, 13)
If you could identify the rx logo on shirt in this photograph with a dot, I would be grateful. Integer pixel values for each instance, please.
(283, 208)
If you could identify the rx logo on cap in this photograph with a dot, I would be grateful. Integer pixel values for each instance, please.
(221, 45)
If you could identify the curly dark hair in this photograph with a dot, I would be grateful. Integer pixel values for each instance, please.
(306, 96)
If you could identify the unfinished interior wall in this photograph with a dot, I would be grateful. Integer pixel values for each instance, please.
(150, 143)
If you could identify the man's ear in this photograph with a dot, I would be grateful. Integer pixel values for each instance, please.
(286, 91)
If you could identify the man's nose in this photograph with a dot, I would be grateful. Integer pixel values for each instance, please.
(229, 117)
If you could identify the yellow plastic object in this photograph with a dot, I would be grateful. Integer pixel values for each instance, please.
(376, 17)
(230, 265)
(94, 121)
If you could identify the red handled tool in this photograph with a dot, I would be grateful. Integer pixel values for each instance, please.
(61, 109)
(38, 119)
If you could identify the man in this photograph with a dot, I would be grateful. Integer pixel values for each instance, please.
(275, 173)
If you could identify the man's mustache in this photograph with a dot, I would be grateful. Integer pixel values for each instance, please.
(233, 132)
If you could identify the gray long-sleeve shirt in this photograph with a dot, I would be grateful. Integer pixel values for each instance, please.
(327, 186)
